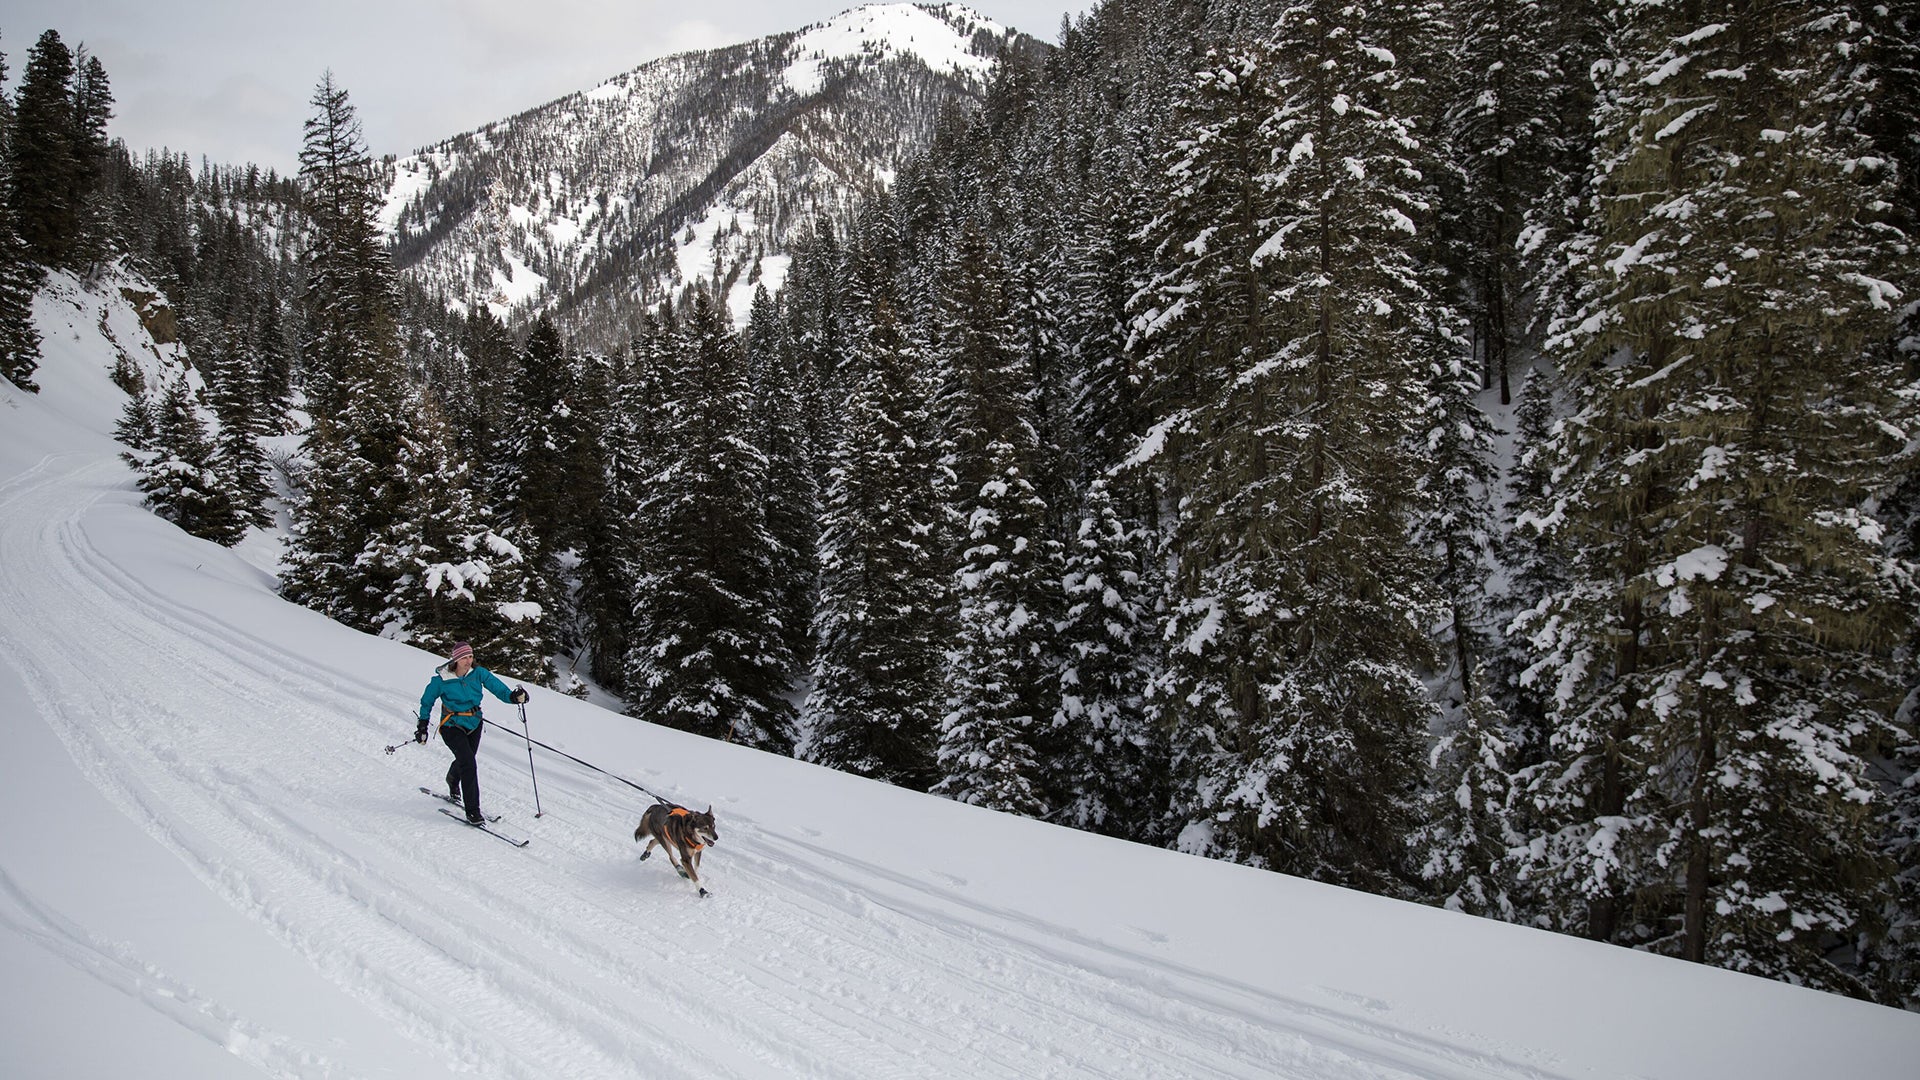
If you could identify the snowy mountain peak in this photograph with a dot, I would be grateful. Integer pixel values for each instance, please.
(947, 38)
(699, 167)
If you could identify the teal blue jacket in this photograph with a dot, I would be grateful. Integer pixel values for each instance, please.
(460, 695)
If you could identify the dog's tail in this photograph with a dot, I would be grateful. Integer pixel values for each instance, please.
(639, 831)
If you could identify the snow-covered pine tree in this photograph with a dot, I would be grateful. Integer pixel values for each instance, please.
(707, 654)
(1500, 129)
(1720, 664)
(355, 378)
(1113, 769)
(1284, 328)
(180, 474)
(137, 425)
(454, 578)
(1535, 570)
(484, 408)
(349, 308)
(19, 276)
(784, 396)
(234, 387)
(44, 159)
(874, 704)
(1000, 686)
(541, 436)
(94, 240)
(1457, 524)
(19, 280)
(1460, 847)
(621, 559)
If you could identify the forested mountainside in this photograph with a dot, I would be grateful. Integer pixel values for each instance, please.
(702, 165)
(1459, 451)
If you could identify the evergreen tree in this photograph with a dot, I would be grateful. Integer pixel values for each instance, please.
(19, 280)
(999, 685)
(1113, 769)
(93, 239)
(872, 710)
(452, 577)
(349, 310)
(1719, 664)
(541, 443)
(1500, 126)
(784, 395)
(1460, 848)
(707, 654)
(1458, 527)
(180, 475)
(45, 162)
(620, 558)
(235, 391)
(1286, 328)
(353, 491)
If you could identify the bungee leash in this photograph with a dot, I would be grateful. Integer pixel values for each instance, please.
(533, 742)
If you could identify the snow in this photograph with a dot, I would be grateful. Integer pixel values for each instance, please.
(211, 869)
(882, 30)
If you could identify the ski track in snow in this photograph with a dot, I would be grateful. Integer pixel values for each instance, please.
(264, 773)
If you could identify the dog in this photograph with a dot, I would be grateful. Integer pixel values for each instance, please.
(681, 833)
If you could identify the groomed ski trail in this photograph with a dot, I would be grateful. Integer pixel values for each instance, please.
(263, 771)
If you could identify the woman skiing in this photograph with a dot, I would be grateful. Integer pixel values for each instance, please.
(456, 685)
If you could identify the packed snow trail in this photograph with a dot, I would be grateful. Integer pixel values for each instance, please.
(262, 770)
(226, 871)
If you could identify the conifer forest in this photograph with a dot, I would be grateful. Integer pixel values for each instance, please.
(1463, 451)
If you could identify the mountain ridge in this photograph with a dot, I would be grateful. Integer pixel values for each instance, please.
(705, 164)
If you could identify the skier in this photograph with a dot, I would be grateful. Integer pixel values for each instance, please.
(456, 685)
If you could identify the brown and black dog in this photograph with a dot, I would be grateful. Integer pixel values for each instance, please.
(682, 833)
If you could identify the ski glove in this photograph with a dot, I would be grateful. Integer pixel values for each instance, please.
(420, 733)
(519, 695)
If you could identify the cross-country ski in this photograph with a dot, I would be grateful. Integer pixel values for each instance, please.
(488, 829)
(454, 801)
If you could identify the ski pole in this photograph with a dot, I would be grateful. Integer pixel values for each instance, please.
(536, 779)
(398, 745)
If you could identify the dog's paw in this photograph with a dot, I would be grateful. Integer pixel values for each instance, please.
(644, 854)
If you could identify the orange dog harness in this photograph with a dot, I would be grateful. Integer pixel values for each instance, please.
(681, 811)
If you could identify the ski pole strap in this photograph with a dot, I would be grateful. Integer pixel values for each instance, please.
(575, 760)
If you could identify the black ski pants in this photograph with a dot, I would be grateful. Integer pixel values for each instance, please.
(464, 774)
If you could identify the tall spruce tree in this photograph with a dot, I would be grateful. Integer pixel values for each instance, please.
(93, 241)
(353, 491)
(1284, 326)
(236, 398)
(707, 654)
(180, 474)
(349, 312)
(44, 158)
(784, 395)
(1112, 769)
(452, 577)
(19, 276)
(999, 686)
(873, 707)
(1719, 664)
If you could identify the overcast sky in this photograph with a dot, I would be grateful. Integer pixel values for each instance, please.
(231, 79)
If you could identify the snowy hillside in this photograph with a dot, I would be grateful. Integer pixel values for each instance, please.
(210, 869)
(701, 165)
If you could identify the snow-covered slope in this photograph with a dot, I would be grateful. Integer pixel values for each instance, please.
(698, 166)
(209, 868)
